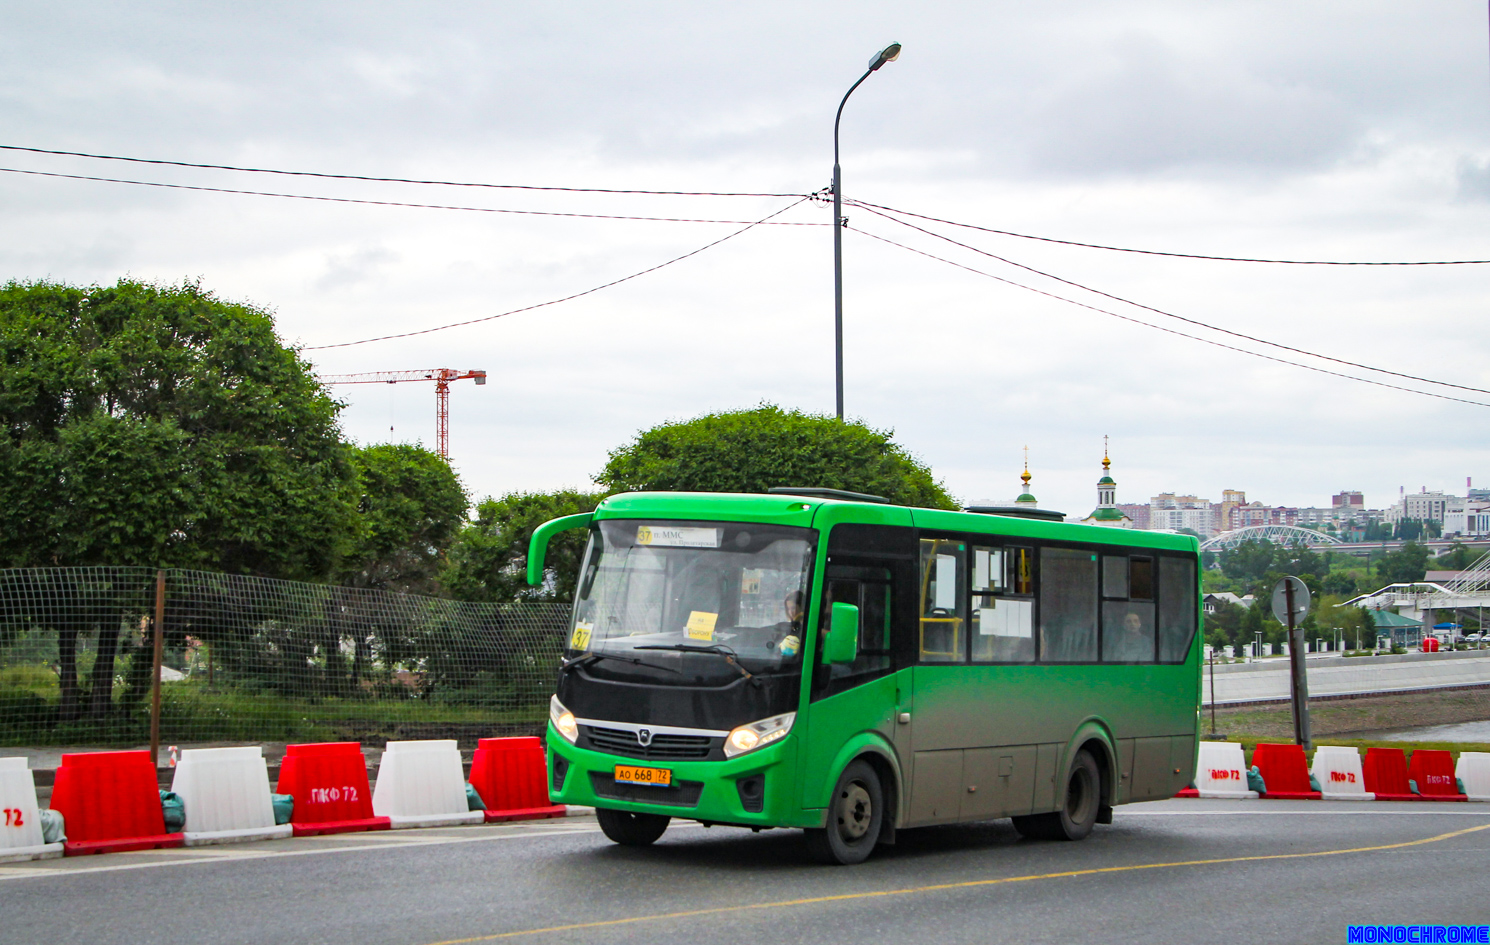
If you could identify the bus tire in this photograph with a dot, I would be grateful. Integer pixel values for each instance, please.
(1076, 818)
(631, 830)
(855, 815)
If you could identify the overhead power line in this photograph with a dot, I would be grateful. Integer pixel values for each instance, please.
(1188, 321)
(386, 180)
(1154, 252)
(567, 298)
(397, 203)
(1171, 331)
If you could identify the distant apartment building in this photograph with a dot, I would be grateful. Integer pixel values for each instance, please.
(1182, 513)
(1138, 513)
(1255, 513)
(1348, 502)
(1423, 506)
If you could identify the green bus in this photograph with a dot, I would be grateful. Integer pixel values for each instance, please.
(828, 661)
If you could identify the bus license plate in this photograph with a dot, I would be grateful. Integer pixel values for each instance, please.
(628, 774)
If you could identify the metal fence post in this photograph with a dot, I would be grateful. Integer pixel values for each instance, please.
(160, 620)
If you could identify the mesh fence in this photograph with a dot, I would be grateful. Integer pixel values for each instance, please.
(255, 659)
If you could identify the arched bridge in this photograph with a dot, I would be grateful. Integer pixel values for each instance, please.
(1277, 534)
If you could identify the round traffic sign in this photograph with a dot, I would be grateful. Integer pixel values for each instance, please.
(1300, 600)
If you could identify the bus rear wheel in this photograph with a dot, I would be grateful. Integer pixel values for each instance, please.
(855, 815)
(631, 830)
(1083, 800)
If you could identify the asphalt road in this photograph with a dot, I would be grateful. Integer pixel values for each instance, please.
(1183, 871)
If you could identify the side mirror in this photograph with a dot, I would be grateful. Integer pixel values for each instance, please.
(842, 644)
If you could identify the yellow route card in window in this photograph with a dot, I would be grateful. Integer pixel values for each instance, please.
(581, 638)
(701, 626)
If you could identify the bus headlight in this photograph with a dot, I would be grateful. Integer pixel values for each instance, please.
(758, 734)
(562, 718)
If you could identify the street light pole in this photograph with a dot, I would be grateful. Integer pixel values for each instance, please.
(889, 54)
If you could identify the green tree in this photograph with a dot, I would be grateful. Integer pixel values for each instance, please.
(1223, 624)
(1355, 622)
(489, 560)
(1457, 558)
(1339, 583)
(1249, 560)
(160, 426)
(753, 450)
(411, 506)
(1412, 529)
(1404, 566)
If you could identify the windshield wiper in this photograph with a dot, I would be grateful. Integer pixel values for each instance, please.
(718, 649)
(595, 657)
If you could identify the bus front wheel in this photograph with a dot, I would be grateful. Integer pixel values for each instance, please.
(855, 815)
(1083, 799)
(631, 830)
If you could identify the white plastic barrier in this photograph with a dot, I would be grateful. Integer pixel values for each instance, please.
(1474, 770)
(421, 784)
(20, 817)
(1338, 771)
(1221, 771)
(226, 795)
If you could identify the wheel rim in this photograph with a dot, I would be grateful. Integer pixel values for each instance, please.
(1079, 796)
(855, 811)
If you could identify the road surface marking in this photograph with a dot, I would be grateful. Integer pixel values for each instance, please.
(940, 887)
(196, 856)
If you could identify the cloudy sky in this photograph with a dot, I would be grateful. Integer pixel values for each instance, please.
(1322, 131)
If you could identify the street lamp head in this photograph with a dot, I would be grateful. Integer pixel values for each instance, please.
(889, 54)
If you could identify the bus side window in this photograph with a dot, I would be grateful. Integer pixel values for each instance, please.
(1068, 606)
(1176, 608)
(1127, 609)
(1002, 625)
(943, 610)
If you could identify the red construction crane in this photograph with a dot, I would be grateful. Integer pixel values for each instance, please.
(442, 378)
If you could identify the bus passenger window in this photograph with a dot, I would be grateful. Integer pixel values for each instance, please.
(1115, 576)
(1176, 608)
(1142, 579)
(1068, 606)
(943, 596)
(988, 570)
(1002, 626)
(1022, 571)
(1128, 610)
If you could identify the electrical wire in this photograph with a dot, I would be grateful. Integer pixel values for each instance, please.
(395, 203)
(385, 180)
(1171, 331)
(1188, 321)
(567, 298)
(1154, 252)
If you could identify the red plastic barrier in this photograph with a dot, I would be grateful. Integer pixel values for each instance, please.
(1433, 770)
(329, 783)
(1190, 791)
(512, 779)
(1285, 771)
(110, 801)
(1386, 774)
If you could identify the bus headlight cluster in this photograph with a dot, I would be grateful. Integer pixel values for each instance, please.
(562, 718)
(758, 734)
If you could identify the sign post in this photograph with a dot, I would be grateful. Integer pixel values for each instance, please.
(1290, 605)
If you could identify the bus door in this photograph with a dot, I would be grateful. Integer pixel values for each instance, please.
(975, 611)
(848, 699)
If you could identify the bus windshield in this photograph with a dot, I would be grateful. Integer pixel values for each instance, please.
(691, 603)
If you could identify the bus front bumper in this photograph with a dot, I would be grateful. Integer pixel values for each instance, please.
(756, 789)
